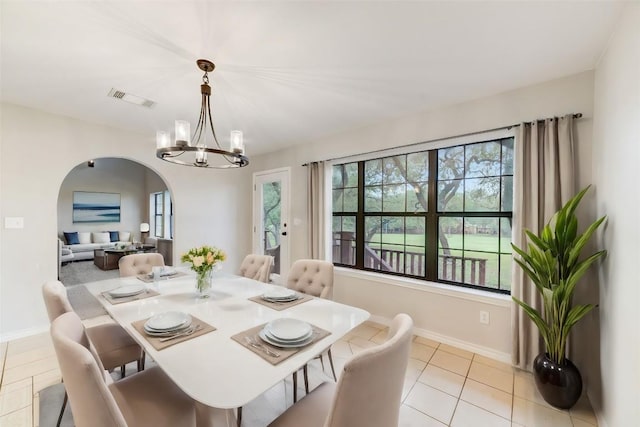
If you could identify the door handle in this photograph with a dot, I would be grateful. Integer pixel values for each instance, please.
(284, 233)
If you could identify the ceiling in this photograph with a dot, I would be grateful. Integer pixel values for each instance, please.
(287, 72)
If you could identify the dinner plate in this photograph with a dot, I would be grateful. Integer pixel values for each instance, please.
(279, 294)
(166, 333)
(271, 341)
(126, 291)
(170, 320)
(287, 329)
(288, 299)
(279, 340)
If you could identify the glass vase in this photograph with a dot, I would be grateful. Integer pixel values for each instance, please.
(203, 283)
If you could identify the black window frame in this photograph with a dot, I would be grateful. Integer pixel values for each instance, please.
(431, 217)
(158, 217)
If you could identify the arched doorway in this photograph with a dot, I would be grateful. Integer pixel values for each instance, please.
(109, 203)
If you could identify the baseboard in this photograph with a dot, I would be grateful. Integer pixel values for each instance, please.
(597, 410)
(464, 345)
(23, 333)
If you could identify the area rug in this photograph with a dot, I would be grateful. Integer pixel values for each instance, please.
(78, 272)
(84, 303)
(258, 413)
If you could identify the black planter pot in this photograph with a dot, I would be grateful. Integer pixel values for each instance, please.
(559, 384)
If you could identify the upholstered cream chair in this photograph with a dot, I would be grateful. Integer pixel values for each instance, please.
(113, 344)
(256, 267)
(369, 391)
(134, 264)
(148, 398)
(313, 277)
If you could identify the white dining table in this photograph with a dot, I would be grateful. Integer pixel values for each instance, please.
(213, 369)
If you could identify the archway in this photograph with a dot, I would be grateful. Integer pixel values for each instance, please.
(107, 203)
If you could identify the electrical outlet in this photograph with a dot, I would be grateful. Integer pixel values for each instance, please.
(484, 317)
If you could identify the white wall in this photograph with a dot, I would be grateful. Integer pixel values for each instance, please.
(38, 150)
(615, 370)
(109, 175)
(439, 315)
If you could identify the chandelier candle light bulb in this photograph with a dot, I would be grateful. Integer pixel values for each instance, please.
(163, 139)
(237, 144)
(183, 133)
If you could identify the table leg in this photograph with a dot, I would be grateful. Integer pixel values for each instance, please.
(207, 416)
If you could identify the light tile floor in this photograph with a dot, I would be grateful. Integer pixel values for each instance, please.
(444, 385)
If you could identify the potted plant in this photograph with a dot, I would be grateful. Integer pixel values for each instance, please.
(554, 264)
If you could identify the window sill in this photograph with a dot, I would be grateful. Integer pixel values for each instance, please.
(500, 300)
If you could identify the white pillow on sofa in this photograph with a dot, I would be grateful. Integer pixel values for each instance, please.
(103, 237)
(84, 237)
(124, 236)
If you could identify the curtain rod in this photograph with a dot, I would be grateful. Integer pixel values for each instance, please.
(575, 116)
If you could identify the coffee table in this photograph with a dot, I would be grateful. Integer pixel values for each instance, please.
(107, 259)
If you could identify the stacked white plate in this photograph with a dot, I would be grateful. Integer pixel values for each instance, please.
(280, 295)
(169, 323)
(126, 291)
(287, 333)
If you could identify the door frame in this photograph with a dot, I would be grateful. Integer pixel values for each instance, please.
(285, 260)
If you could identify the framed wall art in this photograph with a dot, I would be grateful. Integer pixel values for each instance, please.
(96, 207)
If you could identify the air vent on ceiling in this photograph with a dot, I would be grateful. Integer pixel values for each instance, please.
(132, 99)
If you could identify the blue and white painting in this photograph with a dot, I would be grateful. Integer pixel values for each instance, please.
(96, 207)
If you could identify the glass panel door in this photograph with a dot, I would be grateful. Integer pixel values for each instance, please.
(271, 207)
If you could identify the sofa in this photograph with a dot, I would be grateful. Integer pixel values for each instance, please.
(82, 244)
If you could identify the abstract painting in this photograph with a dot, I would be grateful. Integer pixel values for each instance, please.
(96, 207)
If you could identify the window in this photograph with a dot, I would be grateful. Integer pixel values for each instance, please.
(441, 215)
(158, 214)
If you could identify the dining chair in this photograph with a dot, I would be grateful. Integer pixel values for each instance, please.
(145, 399)
(113, 344)
(256, 267)
(369, 391)
(135, 264)
(312, 277)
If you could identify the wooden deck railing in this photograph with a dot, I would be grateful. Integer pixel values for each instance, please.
(452, 267)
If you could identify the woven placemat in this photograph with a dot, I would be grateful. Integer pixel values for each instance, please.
(281, 305)
(204, 328)
(283, 353)
(146, 279)
(148, 293)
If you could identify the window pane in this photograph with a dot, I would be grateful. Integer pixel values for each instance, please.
(373, 172)
(344, 240)
(393, 169)
(507, 194)
(349, 225)
(336, 225)
(415, 261)
(507, 157)
(415, 231)
(450, 195)
(505, 272)
(482, 194)
(450, 265)
(337, 200)
(372, 253)
(350, 200)
(505, 235)
(372, 199)
(345, 175)
(450, 233)
(372, 228)
(393, 230)
(483, 159)
(392, 258)
(418, 166)
(417, 197)
(481, 234)
(393, 198)
(451, 163)
(481, 269)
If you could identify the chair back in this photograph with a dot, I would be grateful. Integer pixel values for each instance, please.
(55, 299)
(311, 276)
(85, 380)
(134, 264)
(256, 267)
(369, 392)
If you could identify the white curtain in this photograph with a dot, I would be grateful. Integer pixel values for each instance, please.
(315, 210)
(544, 181)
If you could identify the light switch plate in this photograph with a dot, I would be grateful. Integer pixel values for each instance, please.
(14, 222)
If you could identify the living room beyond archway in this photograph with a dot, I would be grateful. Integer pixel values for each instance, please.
(110, 203)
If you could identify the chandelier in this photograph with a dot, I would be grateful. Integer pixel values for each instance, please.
(200, 148)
